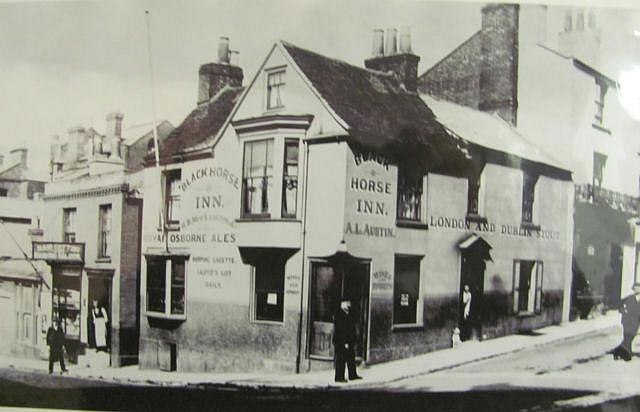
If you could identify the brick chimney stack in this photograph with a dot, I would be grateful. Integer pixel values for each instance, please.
(213, 77)
(114, 133)
(499, 66)
(403, 64)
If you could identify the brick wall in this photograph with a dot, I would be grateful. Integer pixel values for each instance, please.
(129, 280)
(482, 73)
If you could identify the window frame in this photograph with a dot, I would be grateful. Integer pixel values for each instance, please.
(278, 87)
(274, 265)
(171, 199)
(104, 241)
(67, 236)
(245, 211)
(419, 300)
(529, 182)
(416, 190)
(292, 180)
(168, 287)
(535, 307)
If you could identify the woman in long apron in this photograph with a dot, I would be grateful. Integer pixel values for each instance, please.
(100, 319)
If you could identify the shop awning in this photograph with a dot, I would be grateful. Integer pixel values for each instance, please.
(476, 243)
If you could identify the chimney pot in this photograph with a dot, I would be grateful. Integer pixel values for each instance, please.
(391, 47)
(223, 50)
(114, 132)
(378, 43)
(405, 39)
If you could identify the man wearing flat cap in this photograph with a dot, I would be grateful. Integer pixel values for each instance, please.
(630, 310)
(344, 341)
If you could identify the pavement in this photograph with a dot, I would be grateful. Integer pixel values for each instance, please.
(373, 375)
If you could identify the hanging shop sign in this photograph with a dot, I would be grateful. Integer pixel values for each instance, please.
(58, 251)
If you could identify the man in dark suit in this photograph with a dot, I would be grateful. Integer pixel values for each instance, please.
(344, 341)
(55, 340)
(630, 309)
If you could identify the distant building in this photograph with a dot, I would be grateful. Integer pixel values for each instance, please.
(92, 241)
(324, 180)
(17, 180)
(553, 86)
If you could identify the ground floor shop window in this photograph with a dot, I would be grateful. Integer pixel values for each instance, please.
(66, 300)
(166, 283)
(268, 295)
(407, 307)
(527, 286)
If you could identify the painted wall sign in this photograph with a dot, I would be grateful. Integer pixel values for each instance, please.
(365, 229)
(382, 280)
(369, 156)
(201, 172)
(458, 223)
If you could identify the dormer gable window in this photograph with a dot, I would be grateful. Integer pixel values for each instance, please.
(275, 86)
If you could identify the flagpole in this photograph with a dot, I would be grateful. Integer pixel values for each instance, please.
(156, 144)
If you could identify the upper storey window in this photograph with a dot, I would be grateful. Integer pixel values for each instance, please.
(599, 104)
(528, 192)
(275, 86)
(409, 197)
(172, 197)
(257, 177)
(69, 225)
(290, 178)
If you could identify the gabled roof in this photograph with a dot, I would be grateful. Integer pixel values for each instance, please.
(381, 115)
(489, 131)
(202, 124)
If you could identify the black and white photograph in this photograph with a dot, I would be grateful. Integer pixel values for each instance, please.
(402, 205)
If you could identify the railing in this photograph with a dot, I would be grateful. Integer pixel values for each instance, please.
(616, 200)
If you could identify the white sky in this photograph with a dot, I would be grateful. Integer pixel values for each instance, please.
(65, 64)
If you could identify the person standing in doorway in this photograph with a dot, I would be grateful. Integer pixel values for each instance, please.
(344, 341)
(466, 313)
(100, 319)
(55, 340)
(630, 310)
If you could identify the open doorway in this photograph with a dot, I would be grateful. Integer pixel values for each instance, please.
(474, 252)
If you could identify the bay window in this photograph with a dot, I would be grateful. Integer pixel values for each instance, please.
(290, 178)
(257, 177)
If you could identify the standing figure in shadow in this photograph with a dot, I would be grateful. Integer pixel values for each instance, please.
(630, 310)
(344, 341)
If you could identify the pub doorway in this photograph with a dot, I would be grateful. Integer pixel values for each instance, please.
(330, 283)
(99, 301)
(474, 252)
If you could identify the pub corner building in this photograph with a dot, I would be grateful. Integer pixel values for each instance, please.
(320, 179)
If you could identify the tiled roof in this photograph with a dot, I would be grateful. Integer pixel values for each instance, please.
(381, 115)
(201, 124)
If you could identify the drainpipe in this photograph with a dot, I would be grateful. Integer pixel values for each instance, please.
(303, 243)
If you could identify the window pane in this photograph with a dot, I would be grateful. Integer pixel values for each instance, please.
(409, 197)
(406, 285)
(177, 286)
(172, 194)
(290, 179)
(269, 291)
(104, 233)
(257, 179)
(156, 285)
(324, 299)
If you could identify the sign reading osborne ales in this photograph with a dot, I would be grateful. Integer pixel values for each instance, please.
(68, 252)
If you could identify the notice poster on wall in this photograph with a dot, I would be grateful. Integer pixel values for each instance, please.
(272, 299)
(404, 299)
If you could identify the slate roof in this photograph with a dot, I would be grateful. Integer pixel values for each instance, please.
(490, 131)
(382, 116)
(203, 123)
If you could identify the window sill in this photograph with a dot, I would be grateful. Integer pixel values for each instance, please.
(411, 224)
(526, 314)
(407, 326)
(103, 259)
(529, 226)
(600, 128)
(472, 217)
(268, 322)
(267, 219)
(160, 315)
